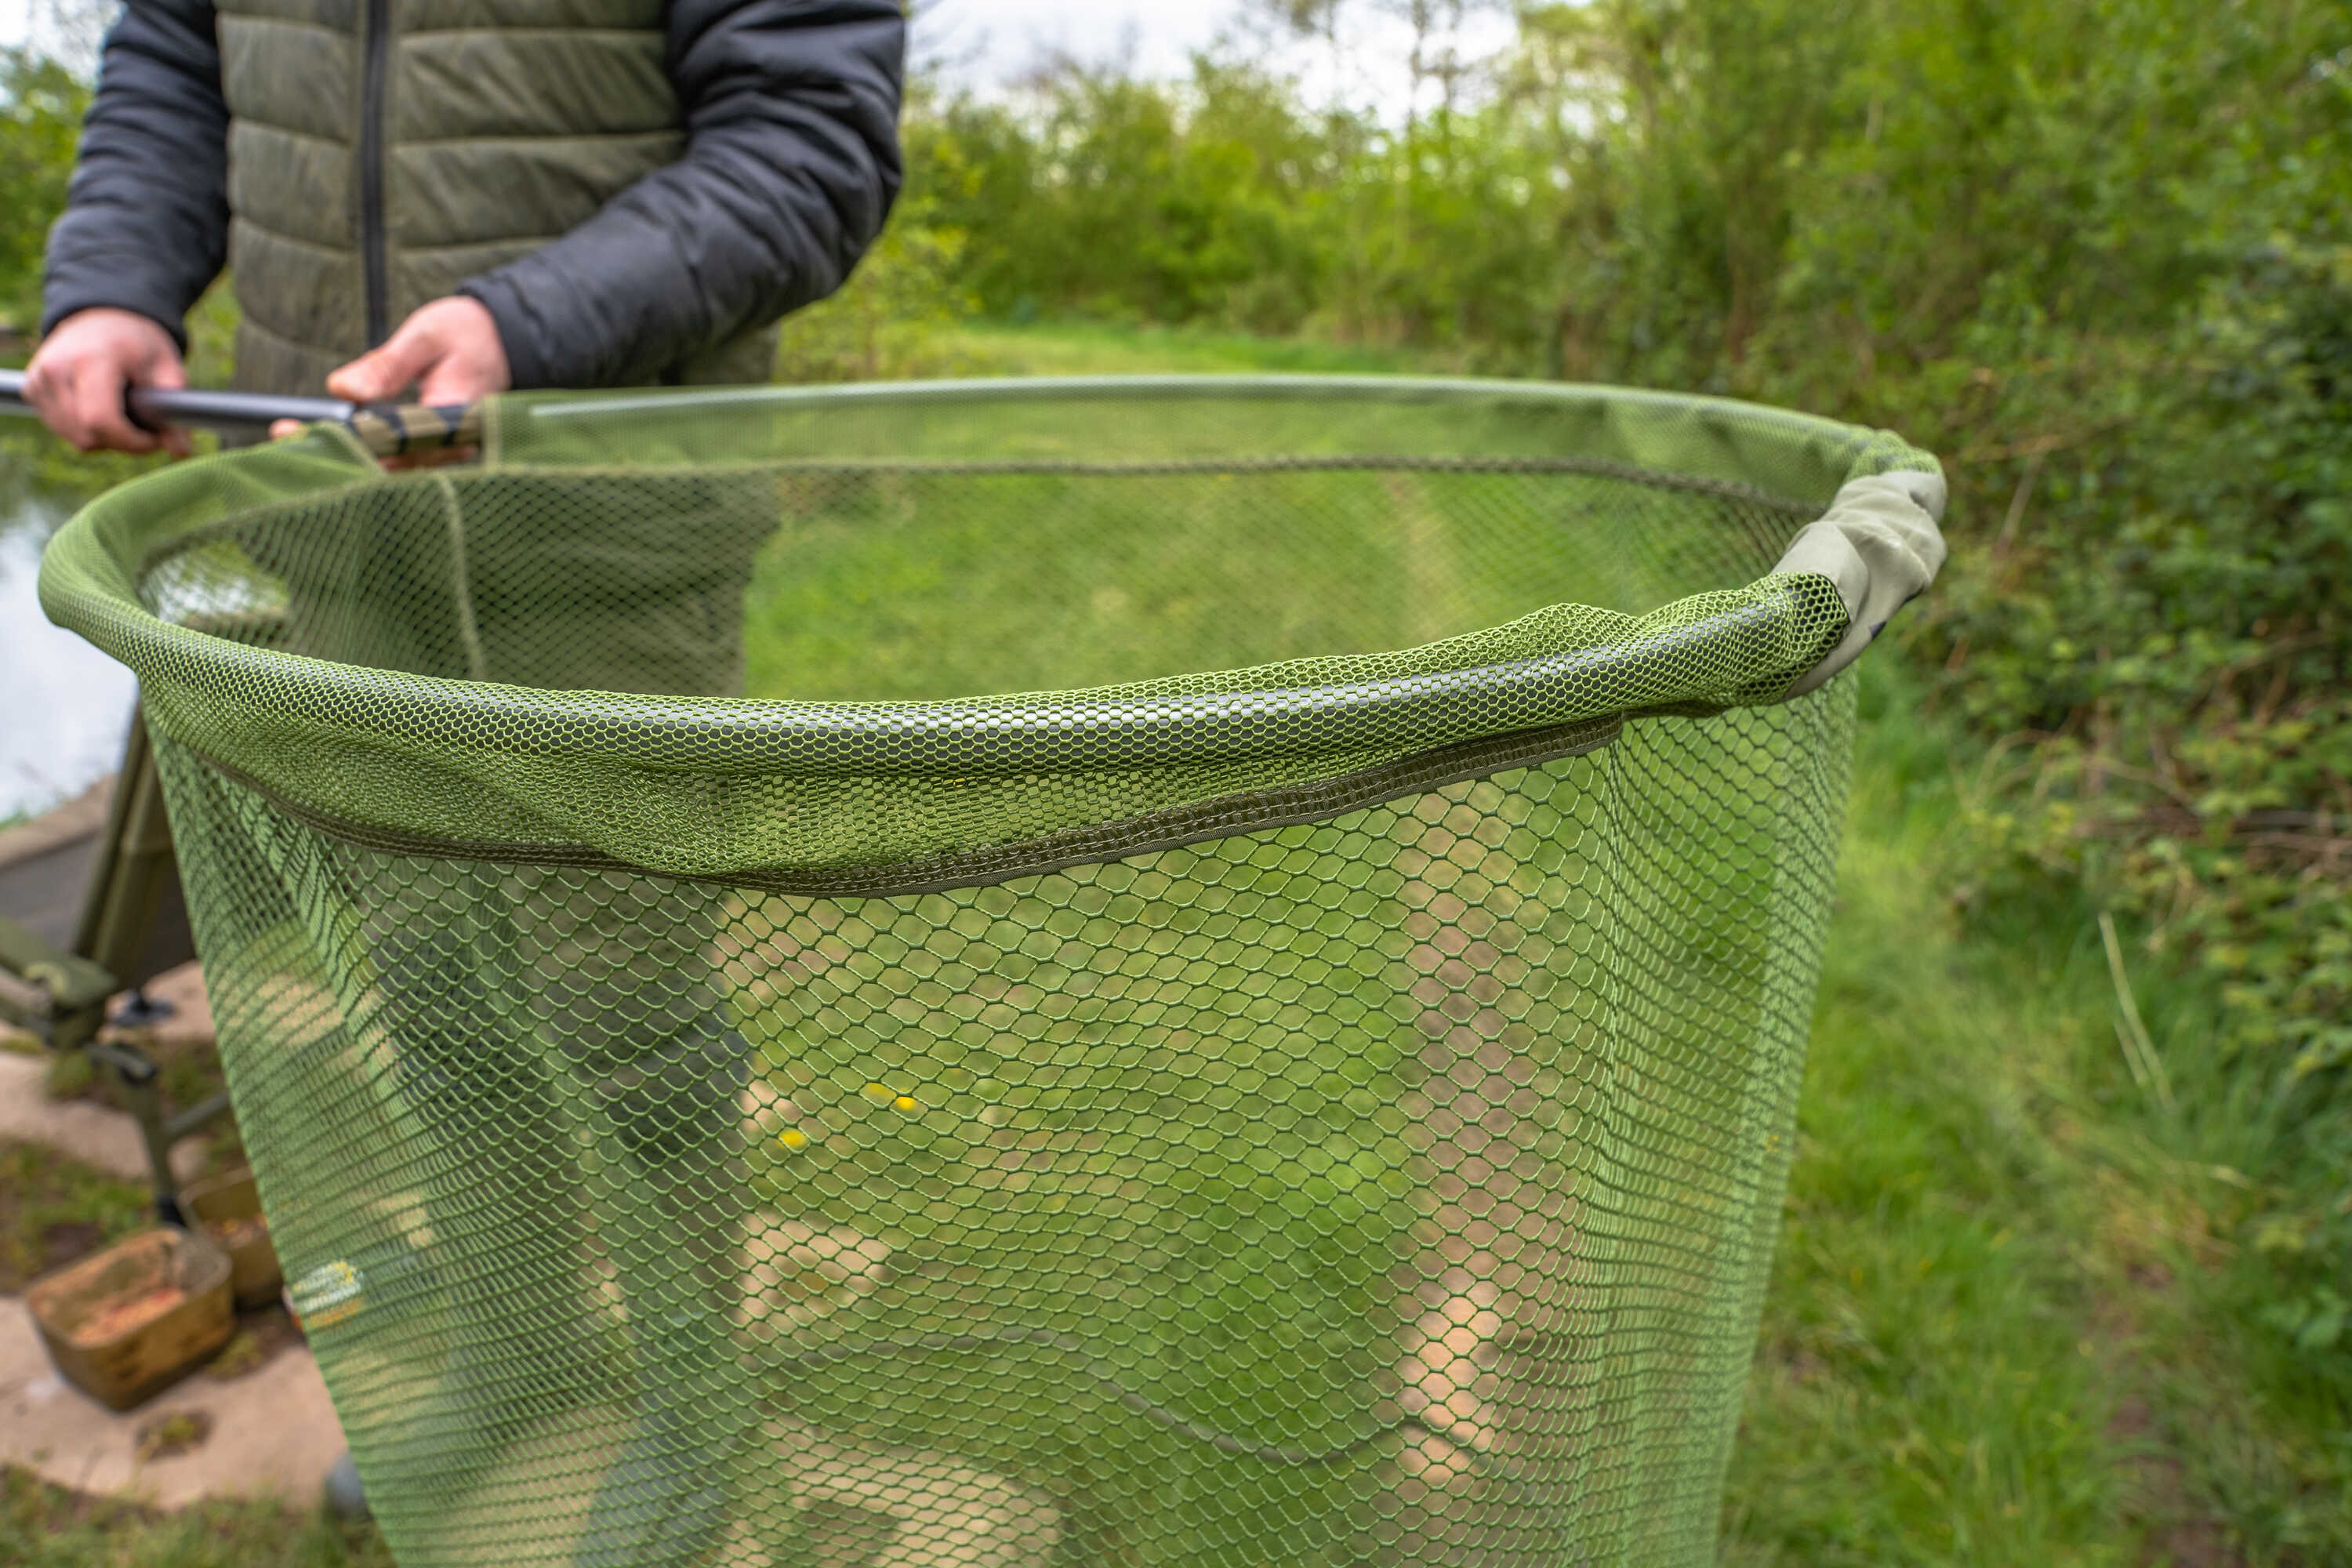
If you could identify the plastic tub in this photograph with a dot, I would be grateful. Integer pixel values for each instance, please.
(228, 1208)
(136, 1318)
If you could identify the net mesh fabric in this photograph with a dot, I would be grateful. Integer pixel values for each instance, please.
(729, 1090)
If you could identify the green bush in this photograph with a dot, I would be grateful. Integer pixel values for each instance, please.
(2163, 656)
(885, 320)
(41, 106)
(1221, 201)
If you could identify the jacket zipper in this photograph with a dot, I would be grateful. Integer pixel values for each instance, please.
(372, 264)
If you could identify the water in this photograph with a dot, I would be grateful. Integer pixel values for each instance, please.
(64, 706)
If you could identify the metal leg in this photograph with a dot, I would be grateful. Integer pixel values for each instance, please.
(142, 1097)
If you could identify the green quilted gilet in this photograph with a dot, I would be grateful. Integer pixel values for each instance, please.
(382, 152)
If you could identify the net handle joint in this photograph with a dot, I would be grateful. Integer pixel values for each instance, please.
(386, 430)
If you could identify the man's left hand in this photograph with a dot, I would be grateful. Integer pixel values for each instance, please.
(449, 350)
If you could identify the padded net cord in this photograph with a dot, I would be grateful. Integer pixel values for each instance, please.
(1331, 1109)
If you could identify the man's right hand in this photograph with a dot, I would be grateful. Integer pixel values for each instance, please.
(85, 367)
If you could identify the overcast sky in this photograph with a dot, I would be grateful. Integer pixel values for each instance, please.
(999, 38)
(988, 44)
(1011, 33)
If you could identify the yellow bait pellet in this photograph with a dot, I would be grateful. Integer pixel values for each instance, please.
(792, 1138)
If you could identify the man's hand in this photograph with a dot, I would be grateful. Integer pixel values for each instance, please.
(449, 350)
(85, 367)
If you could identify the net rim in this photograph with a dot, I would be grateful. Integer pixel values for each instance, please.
(572, 405)
(1014, 733)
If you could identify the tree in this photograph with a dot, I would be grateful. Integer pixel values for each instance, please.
(41, 105)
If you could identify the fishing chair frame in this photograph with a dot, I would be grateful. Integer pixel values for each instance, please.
(60, 964)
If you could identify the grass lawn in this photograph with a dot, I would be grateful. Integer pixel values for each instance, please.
(2007, 1323)
(1931, 1383)
(1089, 349)
(43, 1526)
(54, 1210)
(2004, 1325)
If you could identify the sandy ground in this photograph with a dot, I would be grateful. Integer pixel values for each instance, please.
(273, 1431)
(93, 1134)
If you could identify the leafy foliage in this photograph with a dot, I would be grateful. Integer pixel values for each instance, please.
(41, 104)
(1223, 202)
(890, 312)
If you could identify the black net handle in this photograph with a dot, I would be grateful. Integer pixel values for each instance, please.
(385, 429)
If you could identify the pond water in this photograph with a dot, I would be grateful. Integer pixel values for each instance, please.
(64, 706)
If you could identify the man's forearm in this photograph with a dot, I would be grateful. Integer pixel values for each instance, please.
(146, 222)
(792, 110)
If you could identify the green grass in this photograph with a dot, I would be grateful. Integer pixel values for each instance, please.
(2003, 1327)
(54, 1210)
(916, 587)
(2009, 1321)
(1926, 1389)
(43, 1526)
(990, 348)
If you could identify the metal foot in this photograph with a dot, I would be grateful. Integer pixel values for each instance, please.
(139, 1010)
(344, 1496)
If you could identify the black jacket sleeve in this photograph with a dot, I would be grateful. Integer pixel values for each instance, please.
(790, 165)
(146, 222)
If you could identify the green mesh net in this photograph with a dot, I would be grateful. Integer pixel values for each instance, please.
(729, 1089)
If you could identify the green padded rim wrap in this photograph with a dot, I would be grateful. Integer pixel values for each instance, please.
(684, 785)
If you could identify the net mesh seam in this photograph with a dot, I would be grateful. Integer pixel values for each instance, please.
(1227, 816)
